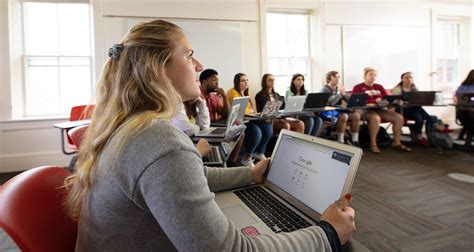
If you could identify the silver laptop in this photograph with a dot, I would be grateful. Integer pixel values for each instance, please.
(306, 175)
(294, 104)
(271, 108)
(242, 101)
(221, 131)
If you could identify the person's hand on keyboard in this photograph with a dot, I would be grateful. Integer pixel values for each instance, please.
(341, 217)
(203, 147)
(259, 169)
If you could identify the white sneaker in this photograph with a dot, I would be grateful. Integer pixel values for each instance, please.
(248, 163)
(259, 156)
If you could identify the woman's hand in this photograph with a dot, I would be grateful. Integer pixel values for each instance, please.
(341, 218)
(203, 147)
(377, 100)
(259, 169)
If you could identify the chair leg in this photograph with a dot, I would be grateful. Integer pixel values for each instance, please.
(72, 163)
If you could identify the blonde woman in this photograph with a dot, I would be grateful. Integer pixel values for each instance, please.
(374, 116)
(140, 184)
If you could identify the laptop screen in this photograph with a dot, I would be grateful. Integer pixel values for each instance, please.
(310, 172)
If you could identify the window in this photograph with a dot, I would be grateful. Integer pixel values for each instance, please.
(447, 53)
(288, 50)
(56, 57)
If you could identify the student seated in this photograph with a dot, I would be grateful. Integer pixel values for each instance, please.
(257, 133)
(374, 115)
(139, 182)
(267, 93)
(338, 93)
(215, 96)
(416, 113)
(192, 117)
(466, 115)
(312, 123)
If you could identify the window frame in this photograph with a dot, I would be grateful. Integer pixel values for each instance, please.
(21, 110)
(308, 59)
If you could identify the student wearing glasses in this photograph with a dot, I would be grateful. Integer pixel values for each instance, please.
(266, 94)
(257, 133)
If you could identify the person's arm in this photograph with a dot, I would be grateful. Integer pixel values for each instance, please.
(397, 90)
(203, 119)
(288, 94)
(178, 196)
(260, 102)
(220, 179)
(230, 95)
(181, 121)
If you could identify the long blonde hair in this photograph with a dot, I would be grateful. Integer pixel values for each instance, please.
(133, 92)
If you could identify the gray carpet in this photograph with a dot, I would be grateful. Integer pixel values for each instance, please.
(406, 202)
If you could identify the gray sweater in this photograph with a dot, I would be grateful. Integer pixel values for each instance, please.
(155, 194)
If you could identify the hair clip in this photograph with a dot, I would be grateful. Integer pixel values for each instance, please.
(115, 50)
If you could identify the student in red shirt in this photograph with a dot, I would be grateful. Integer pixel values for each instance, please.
(215, 96)
(374, 116)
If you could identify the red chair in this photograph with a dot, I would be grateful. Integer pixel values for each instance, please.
(77, 117)
(32, 211)
(77, 134)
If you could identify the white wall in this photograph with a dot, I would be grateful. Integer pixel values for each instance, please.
(26, 144)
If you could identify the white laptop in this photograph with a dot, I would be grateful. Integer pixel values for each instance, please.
(305, 176)
(221, 131)
(294, 104)
(242, 101)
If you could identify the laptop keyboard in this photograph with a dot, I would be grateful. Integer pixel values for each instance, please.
(277, 216)
(213, 156)
(219, 131)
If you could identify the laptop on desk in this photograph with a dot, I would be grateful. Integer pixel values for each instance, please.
(465, 99)
(305, 176)
(316, 101)
(420, 98)
(357, 100)
(242, 101)
(271, 108)
(221, 131)
(294, 104)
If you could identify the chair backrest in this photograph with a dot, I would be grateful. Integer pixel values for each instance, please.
(81, 112)
(77, 134)
(32, 212)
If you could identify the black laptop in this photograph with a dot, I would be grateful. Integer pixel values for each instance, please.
(357, 100)
(421, 98)
(465, 99)
(316, 101)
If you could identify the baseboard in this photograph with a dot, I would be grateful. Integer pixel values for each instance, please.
(25, 161)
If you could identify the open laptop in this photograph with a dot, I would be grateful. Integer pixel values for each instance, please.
(221, 131)
(242, 101)
(357, 100)
(294, 104)
(465, 99)
(305, 176)
(392, 98)
(271, 108)
(316, 101)
(421, 98)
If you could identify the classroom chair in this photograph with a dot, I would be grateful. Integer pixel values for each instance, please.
(32, 211)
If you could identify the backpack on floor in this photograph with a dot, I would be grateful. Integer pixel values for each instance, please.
(383, 138)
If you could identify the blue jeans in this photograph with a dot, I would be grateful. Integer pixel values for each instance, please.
(312, 124)
(257, 135)
(420, 116)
